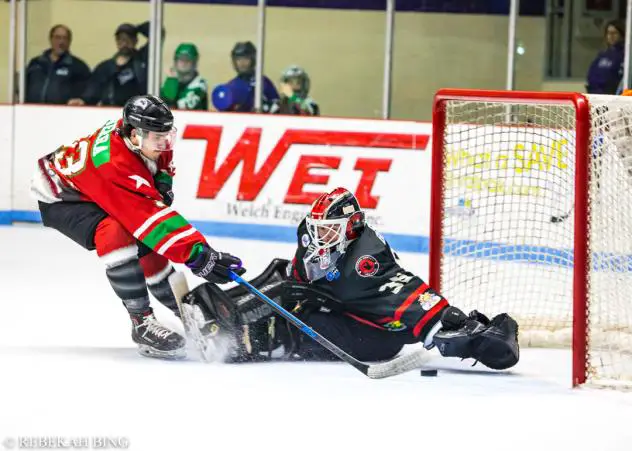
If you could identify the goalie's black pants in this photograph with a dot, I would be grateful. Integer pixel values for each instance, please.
(362, 341)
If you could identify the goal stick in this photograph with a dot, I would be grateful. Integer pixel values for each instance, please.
(563, 217)
(596, 156)
(381, 370)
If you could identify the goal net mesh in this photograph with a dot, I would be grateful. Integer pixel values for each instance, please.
(508, 221)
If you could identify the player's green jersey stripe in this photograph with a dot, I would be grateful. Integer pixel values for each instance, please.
(195, 251)
(164, 228)
(101, 145)
(165, 178)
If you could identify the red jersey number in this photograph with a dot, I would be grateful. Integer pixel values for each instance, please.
(71, 160)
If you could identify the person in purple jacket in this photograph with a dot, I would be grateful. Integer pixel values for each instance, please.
(239, 93)
(605, 72)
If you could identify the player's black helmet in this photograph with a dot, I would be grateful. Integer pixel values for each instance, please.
(299, 73)
(147, 112)
(244, 50)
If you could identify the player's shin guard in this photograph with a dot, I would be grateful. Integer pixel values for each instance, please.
(118, 251)
(157, 270)
(494, 343)
(128, 281)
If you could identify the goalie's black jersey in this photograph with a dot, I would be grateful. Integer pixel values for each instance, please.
(372, 287)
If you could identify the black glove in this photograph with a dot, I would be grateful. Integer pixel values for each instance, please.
(214, 266)
(166, 192)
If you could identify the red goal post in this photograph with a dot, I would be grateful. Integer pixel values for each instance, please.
(521, 186)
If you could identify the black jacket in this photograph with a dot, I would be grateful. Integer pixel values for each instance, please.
(113, 85)
(49, 82)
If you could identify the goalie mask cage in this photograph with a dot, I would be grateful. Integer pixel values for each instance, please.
(531, 214)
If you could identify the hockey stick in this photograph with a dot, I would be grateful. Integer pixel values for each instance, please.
(563, 217)
(392, 367)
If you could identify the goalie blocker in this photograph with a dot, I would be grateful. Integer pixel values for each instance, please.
(346, 283)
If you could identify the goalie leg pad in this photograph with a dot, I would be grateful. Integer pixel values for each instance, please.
(494, 343)
(238, 317)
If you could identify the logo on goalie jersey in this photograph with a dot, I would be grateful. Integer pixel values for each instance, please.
(332, 275)
(367, 266)
(428, 300)
(394, 326)
(305, 240)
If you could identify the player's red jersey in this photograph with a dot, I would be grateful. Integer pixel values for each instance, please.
(100, 168)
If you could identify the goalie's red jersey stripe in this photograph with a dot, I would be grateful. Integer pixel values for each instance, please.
(434, 311)
(364, 321)
(409, 300)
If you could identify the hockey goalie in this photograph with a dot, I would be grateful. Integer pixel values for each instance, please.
(346, 283)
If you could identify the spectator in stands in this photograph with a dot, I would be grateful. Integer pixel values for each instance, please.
(143, 30)
(606, 71)
(117, 79)
(239, 93)
(294, 89)
(185, 89)
(56, 76)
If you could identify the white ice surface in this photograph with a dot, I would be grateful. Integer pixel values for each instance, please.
(68, 368)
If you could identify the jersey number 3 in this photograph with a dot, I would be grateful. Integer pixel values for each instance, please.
(71, 160)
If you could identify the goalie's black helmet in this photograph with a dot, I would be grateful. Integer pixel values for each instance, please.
(146, 112)
(335, 219)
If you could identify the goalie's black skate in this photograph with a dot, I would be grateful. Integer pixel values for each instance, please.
(154, 339)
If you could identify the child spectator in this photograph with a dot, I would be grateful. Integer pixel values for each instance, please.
(239, 93)
(294, 91)
(185, 88)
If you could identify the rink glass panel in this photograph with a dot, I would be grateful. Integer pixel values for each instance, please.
(92, 23)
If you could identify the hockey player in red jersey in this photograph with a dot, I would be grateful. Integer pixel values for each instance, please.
(346, 283)
(111, 192)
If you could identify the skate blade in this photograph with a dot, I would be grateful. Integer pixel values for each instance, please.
(174, 354)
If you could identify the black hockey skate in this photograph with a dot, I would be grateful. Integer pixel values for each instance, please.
(154, 339)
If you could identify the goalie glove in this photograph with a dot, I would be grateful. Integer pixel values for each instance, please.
(494, 343)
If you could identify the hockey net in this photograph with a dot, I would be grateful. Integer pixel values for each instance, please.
(532, 215)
